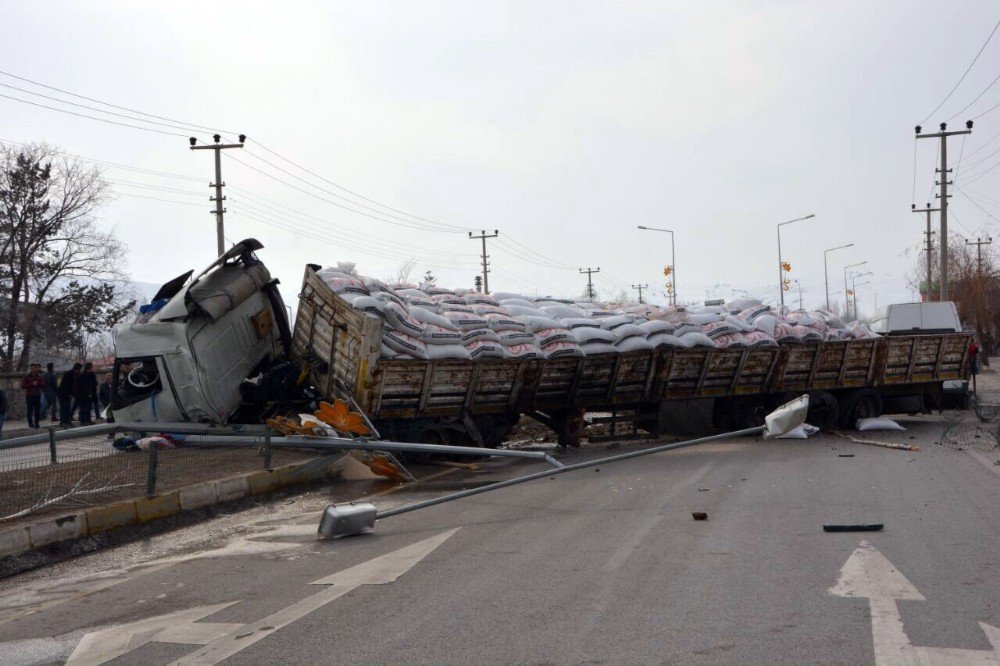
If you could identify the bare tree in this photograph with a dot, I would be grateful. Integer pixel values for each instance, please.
(405, 270)
(60, 275)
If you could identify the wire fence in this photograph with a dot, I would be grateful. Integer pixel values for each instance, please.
(97, 465)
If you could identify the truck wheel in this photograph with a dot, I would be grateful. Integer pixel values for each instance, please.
(862, 404)
(823, 410)
(750, 413)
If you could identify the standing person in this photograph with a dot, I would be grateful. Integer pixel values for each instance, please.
(50, 391)
(32, 385)
(3, 409)
(104, 392)
(67, 386)
(85, 392)
(974, 362)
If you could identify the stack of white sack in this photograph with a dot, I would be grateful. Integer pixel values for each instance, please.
(432, 322)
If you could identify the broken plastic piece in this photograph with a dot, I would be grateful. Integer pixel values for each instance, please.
(863, 527)
(699, 515)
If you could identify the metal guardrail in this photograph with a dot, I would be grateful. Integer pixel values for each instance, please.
(59, 468)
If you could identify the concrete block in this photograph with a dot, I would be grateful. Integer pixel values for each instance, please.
(262, 482)
(231, 489)
(14, 542)
(108, 517)
(57, 529)
(151, 508)
(195, 497)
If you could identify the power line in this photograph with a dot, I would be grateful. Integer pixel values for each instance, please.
(115, 106)
(334, 203)
(351, 192)
(143, 196)
(985, 90)
(83, 115)
(964, 74)
(114, 165)
(94, 108)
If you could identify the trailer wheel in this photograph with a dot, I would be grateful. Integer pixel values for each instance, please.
(750, 413)
(823, 410)
(862, 404)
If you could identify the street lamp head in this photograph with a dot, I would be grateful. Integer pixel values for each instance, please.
(917, 129)
(968, 124)
(192, 140)
(944, 126)
(914, 206)
(217, 137)
(243, 138)
(641, 227)
(809, 215)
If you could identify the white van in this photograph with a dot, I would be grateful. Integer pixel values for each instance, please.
(916, 318)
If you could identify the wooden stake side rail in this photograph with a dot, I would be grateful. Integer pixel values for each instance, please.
(341, 345)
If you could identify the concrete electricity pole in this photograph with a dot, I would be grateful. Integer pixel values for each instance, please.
(639, 288)
(930, 248)
(590, 282)
(483, 235)
(220, 236)
(979, 253)
(944, 183)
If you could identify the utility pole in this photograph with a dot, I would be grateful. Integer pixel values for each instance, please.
(590, 281)
(483, 235)
(220, 236)
(979, 252)
(799, 285)
(639, 288)
(930, 248)
(944, 183)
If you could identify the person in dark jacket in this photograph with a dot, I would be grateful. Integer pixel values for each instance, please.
(50, 391)
(85, 392)
(67, 387)
(3, 409)
(32, 385)
(104, 392)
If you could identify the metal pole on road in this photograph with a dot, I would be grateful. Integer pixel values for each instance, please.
(781, 275)
(826, 273)
(567, 468)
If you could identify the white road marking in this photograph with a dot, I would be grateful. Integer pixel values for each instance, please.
(867, 574)
(178, 627)
(379, 571)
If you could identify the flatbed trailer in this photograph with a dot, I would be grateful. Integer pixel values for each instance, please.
(458, 401)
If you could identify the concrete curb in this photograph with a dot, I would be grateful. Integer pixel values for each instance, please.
(26, 538)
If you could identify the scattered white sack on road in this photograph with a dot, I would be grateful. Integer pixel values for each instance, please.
(804, 431)
(877, 423)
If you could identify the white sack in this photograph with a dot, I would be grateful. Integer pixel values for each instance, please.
(877, 423)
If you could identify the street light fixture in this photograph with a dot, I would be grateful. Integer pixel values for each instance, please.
(673, 260)
(781, 277)
(826, 274)
(847, 297)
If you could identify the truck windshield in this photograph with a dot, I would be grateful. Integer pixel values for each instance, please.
(134, 380)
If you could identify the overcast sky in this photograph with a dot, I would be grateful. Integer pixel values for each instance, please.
(561, 124)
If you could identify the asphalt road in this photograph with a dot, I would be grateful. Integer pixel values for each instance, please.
(588, 567)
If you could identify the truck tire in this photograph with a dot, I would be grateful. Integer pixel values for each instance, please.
(750, 413)
(861, 404)
(824, 410)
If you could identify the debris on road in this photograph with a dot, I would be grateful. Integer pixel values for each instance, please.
(874, 442)
(699, 515)
(862, 527)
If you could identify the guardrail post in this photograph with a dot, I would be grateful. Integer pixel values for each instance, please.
(267, 450)
(52, 446)
(151, 471)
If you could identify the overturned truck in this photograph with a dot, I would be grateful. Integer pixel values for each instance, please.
(218, 348)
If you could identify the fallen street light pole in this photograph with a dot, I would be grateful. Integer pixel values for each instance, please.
(359, 517)
(345, 444)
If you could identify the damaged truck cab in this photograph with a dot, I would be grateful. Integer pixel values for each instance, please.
(188, 354)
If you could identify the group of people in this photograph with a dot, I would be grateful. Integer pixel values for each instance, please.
(77, 392)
